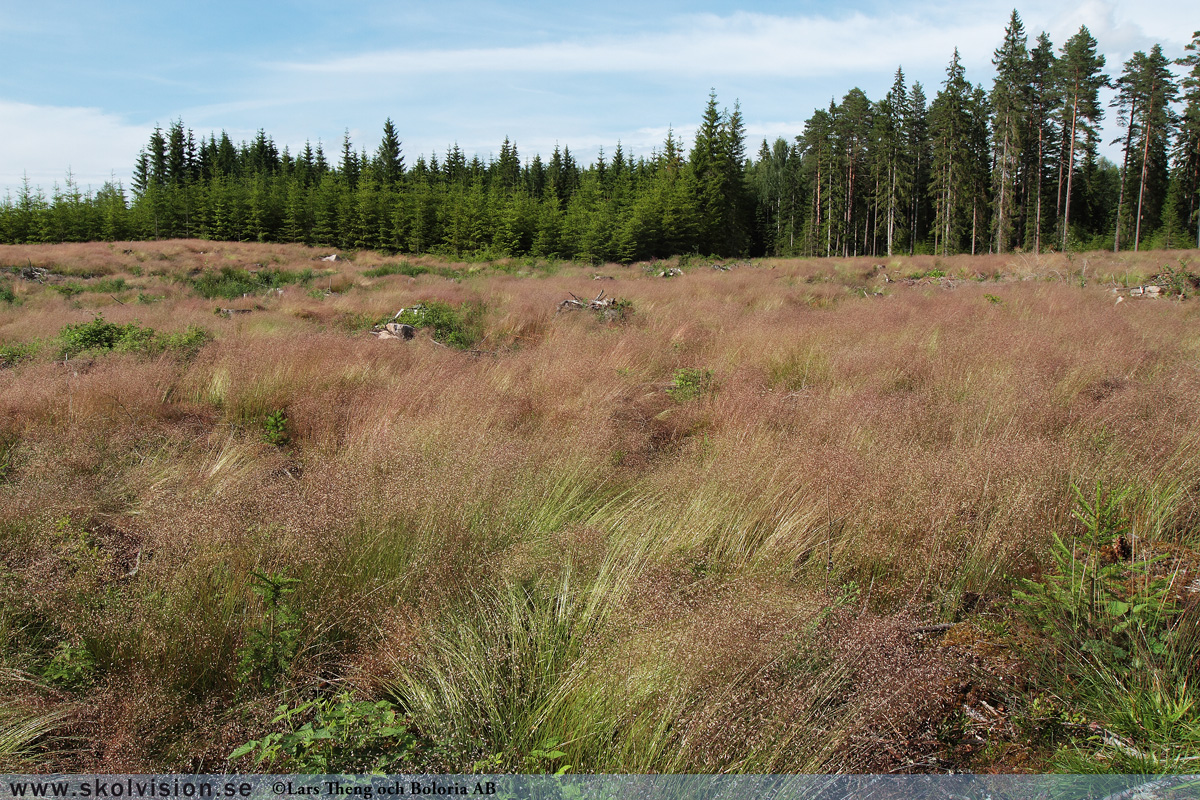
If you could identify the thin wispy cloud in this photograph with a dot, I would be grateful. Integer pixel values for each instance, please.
(44, 142)
(741, 44)
(540, 74)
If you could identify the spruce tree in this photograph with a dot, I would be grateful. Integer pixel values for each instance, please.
(1041, 132)
(890, 156)
(1187, 147)
(350, 166)
(952, 187)
(389, 163)
(708, 161)
(1010, 107)
(919, 158)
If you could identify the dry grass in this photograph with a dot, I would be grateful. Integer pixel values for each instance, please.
(726, 583)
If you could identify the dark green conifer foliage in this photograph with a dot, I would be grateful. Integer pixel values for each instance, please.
(350, 166)
(890, 163)
(919, 156)
(951, 126)
(1187, 148)
(389, 162)
(1010, 168)
(1010, 101)
(1041, 134)
(1080, 80)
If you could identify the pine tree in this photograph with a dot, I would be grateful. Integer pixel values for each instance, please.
(1080, 80)
(853, 132)
(1157, 91)
(819, 169)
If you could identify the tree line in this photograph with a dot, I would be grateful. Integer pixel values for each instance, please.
(1013, 168)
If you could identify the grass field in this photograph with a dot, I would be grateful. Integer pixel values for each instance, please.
(910, 514)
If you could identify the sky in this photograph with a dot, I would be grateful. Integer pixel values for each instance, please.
(83, 84)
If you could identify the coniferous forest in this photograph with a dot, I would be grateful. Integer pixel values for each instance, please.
(1014, 167)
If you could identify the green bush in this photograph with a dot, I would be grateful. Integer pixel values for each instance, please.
(233, 282)
(107, 286)
(185, 343)
(99, 335)
(458, 327)
(71, 667)
(401, 268)
(16, 352)
(69, 289)
(7, 295)
(690, 383)
(334, 735)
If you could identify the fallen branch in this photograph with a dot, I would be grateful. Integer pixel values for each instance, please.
(598, 303)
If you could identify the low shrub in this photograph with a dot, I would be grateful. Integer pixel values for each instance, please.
(401, 268)
(101, 335)
(690, 383)
(460, 327)
(334, 735)
(232, 282)
(16, 352)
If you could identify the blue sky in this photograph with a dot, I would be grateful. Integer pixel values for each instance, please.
(82, 84)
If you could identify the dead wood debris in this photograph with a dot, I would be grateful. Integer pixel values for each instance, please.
(598, 303)
(32, 273)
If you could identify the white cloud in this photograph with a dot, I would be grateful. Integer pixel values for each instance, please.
(43, 142)
(742, 44)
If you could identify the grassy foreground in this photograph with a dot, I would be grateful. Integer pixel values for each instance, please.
(910, 514)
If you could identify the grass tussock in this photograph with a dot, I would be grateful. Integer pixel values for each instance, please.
(726, 531)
